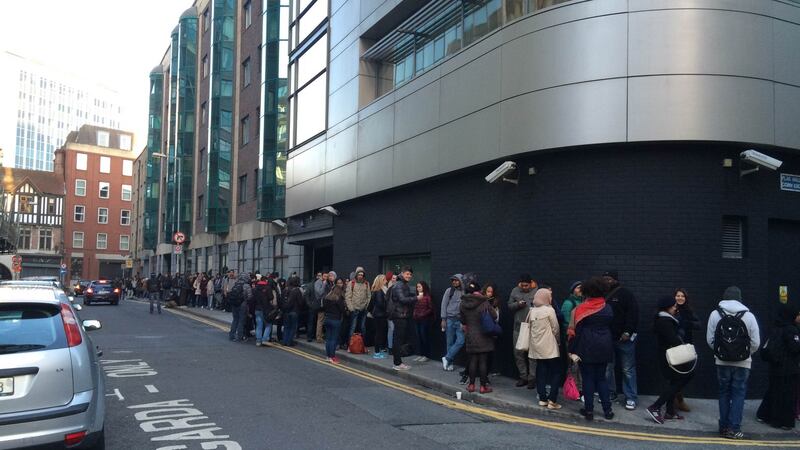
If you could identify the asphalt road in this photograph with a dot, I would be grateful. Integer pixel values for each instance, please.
(175, 383)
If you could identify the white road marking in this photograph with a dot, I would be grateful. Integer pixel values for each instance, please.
(151, 389)
(117, 394)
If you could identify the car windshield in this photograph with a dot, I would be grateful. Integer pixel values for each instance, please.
(28, 326)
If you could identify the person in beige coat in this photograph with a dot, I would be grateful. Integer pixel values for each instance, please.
(357, 299)
(544, 333)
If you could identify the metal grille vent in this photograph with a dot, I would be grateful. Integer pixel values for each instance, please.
(732, 237)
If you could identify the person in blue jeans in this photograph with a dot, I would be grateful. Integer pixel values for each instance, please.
(291, 309)
(623, 331)
(451, 324)
(732, 375)
(333, 306)
(238, 297)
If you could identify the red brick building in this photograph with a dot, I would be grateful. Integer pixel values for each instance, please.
(98, 210)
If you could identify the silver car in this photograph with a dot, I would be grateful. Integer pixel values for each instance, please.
(51, 386)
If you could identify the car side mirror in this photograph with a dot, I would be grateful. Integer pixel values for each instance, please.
(77, 307)
(91, 325)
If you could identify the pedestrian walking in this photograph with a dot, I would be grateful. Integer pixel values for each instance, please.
(293, 300)
(479, 344)
(688, 322)
(624, 331)
(451, 323)
(265, 304)
(666, 328)
(592, 345)
(733, 334)
(423, 319)
(154, 292)
(333, 307)
(544, 348)
(357, 299)
(401, 307)
(782, 352)
(238, 295)
(377, 308)
(519, 303)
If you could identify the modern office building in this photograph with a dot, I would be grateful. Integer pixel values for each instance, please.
(31, 209)
(216, 151)
(40, 105)
(625, 121)
(98, 212)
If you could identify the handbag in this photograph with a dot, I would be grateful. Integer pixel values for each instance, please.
(570, 388)
(682, 354)
(524, 339)
(488, 325)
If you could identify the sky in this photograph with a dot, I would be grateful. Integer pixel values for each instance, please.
(113, 42)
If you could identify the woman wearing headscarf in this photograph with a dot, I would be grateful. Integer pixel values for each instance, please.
(782, 352)
(544, 346)
(591, 345)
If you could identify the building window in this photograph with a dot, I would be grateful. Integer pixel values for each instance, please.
(102, 241)
(125, 141)
(81, 160)
(245, 130)
(243, 189)
(202, 160)
(246, 73)
(80, 188)
(51, 206)
(125, 217)
(105, 164)
(80, 213)
(127, 167)
(45, 239)
(278, 256)
(77, 239)
(102, 215)
(248, 14)
(206, 19)
(124, 242)
(105, 189)
(204, 113)
(308, 82)
(257, 254)
(222, 251)
(126, 192)
(24, 239)
(205, 66)
(242, 259)
(733, 237)
(102, 138)
(26, 204)
(200, 208)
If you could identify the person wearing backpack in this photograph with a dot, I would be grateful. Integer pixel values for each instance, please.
(733, 334)
(478, 343)
(782, 352)
(265, 303)
(238, 296)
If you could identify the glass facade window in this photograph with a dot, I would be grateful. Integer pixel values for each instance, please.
(152, 175)
(77, 239)
(247, 14)
(124, 242)
(45, 239)
(311, 19)
(102, 241)
(244, 130)
(80, 188)
(310, 116)
(24, 238)
(102, 215)
(79, 213)
(127, 192)
(242, 189)
(200, 206)
(104, 189)
(125, 217)
(246, 73)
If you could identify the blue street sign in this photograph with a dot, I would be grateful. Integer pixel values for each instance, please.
(63, 271)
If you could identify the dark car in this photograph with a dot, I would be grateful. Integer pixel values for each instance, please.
(80, 287)
(101, 291)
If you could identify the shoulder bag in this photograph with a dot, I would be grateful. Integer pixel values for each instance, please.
(524, 339)
(682, 354)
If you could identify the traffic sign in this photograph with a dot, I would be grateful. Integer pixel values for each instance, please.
(179, 237)
(129, 263)
(178, 249)
(63, 271)
(63, 267)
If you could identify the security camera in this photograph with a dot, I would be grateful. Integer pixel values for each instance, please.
(279, 223)
(761, 159)
(499, 173)
(330, 210)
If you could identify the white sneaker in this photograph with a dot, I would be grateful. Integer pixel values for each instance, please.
(401, 367)
(630, 405)
(445, 363)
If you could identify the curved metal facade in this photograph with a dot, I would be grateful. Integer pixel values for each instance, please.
(580, 73)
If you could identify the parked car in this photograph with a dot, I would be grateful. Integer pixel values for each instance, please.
(52, 390)
(102, 291)
(80, 287)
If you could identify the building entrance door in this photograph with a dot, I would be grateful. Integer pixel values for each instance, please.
(784, 264)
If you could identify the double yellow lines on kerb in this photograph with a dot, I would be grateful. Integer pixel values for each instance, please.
(509, 418)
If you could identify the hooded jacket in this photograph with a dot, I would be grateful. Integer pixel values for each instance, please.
(782, 350)
(471, 308)
(451, 301)
(520, 312)
(357, 295)
(544, 334)
(732, 307)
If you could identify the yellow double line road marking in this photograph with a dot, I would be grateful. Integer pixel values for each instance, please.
(505, 417)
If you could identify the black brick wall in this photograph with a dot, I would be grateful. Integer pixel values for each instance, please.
(653, 212)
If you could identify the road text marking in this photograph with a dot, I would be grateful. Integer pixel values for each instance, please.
(151, 389)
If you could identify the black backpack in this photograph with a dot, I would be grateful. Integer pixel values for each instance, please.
(236, 294)
(731, 339)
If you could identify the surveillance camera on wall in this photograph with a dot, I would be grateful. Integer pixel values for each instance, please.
(279, 223)
(499, 173)
(761, 159)
(330, 210)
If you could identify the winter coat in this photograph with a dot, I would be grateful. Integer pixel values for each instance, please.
(377, 304)
(782, 350)
(666, 328)
(210, 287)
(451, 301)
(263, 297)
(593, 342)
(732, 307)
(198, 286)
(520, 312)
(423, 309)
(626, 312)
(472, 306)
(687, 323)
(402, 301)
(321, 289)
(567, 307)
(357, 296)
(545, 334)
(293, 297)
(334, 306)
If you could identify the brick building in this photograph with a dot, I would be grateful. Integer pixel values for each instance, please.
(98, 175)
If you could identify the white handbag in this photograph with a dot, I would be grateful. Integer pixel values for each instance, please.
(681, 354)
(524, 339)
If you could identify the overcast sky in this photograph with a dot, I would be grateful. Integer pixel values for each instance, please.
(114, 42)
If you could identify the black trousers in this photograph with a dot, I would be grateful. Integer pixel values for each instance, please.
(381, 327)
(777, 408)
(673, 384)
(479, 366)
(400, 339)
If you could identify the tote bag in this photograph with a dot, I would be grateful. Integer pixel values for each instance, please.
(681, 354)
(524, 339)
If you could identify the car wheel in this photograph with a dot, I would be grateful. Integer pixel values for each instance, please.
(101, 441)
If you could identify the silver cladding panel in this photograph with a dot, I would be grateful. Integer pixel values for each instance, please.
(581, 73)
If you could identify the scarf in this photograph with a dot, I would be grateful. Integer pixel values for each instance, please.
(587, 308)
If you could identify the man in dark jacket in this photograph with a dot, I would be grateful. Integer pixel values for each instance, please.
(291, 307)
(402, 307)
(154, 292)
(623, 331)
(166, 287)
(238, 297)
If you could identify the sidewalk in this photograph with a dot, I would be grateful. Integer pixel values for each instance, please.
(509, 398)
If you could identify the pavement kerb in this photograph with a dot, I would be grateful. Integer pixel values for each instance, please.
(484, 400)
